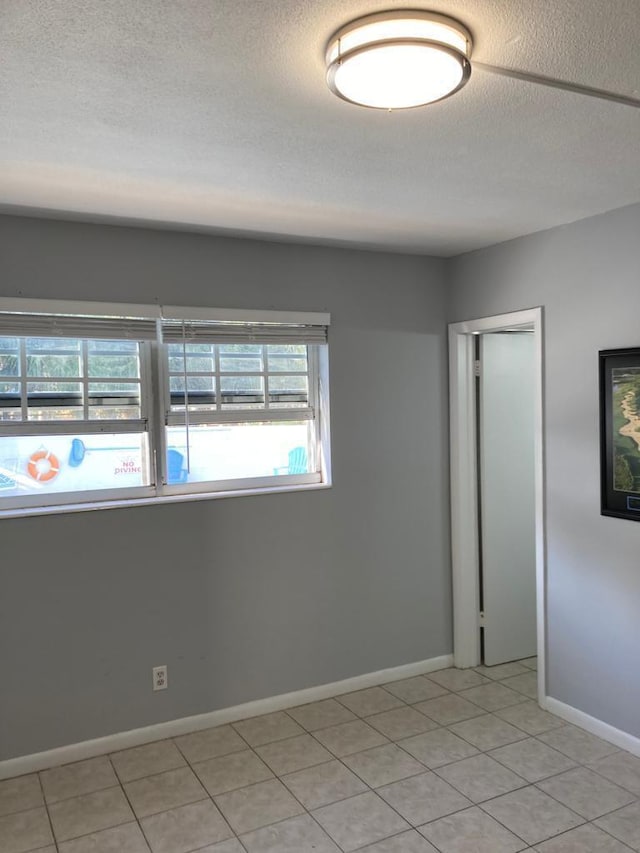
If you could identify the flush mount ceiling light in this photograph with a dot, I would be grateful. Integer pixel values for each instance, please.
(409, 58)
(395, 60)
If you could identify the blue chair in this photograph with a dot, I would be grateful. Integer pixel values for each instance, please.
(76, 455)
(7, 482)
(297, 462)
(176, 472)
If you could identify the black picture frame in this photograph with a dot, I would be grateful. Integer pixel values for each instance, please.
(620, 433)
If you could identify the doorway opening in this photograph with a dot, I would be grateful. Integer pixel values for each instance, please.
(479, 410)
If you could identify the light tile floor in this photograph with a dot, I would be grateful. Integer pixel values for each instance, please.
(460, 761)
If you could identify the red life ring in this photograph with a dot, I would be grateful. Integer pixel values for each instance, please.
(43, 465)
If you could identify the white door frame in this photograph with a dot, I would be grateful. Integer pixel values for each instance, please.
(464, 502)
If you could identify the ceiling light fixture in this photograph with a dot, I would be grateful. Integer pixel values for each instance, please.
(399, 59)
(409, 58)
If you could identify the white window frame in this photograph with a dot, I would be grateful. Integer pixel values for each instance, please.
(155, 406)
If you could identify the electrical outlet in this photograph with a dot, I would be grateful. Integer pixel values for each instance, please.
(160, 678)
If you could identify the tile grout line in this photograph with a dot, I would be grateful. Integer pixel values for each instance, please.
(126, 796)
(46, 806)
(582, 825)
(86, 793)
(396, 835)
(94, 832)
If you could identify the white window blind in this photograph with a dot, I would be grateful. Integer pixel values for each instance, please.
(192, 331)
(77, 326)
(234, 326)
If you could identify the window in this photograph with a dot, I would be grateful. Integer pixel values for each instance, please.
(104, 406)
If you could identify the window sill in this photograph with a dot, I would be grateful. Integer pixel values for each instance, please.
(121, 503)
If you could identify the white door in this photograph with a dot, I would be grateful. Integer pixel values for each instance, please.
(507, 495)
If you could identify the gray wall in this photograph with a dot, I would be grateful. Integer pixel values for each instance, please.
(586, 277)
(242, 597)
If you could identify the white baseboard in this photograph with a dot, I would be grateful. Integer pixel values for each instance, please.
(593, 725)
(185, 725)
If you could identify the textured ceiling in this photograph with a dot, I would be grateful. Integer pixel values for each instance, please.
(214, 114)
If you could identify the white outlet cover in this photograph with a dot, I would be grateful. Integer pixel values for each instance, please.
(160, 678)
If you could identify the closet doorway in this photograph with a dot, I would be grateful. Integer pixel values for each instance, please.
(497, 490)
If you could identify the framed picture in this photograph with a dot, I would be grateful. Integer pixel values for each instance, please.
(620, 433)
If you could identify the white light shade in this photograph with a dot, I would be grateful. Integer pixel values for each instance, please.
(396, 60)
